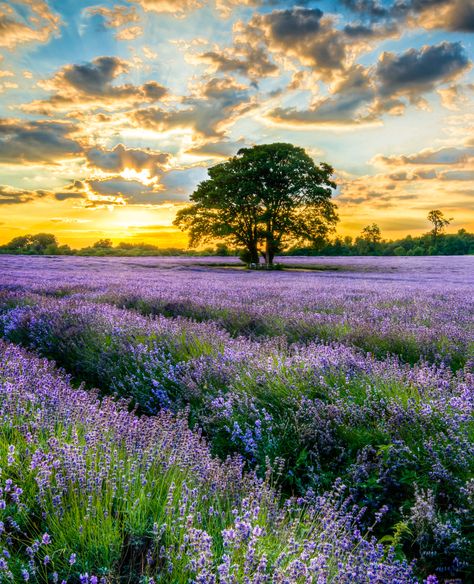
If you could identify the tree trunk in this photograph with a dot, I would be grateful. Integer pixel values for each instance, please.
(269, 248)
(253, 251)
(269, 254)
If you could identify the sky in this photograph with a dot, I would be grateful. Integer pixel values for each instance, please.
(111, 112)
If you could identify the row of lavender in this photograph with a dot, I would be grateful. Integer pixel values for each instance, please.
(91, 493)
(417, 308)
(400, 436)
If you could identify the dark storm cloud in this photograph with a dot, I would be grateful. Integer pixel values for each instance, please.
(420, 70)
(36, 142)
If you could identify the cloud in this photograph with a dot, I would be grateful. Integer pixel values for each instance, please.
(303, 33)
(243, 58)
(364, 94)
(119, 191)
(225, 7)
(348, 105)
(178, 8)
(372, 8)
(130, 33)
(441, 156)
(458, 175)
(418, 71)
(91, 85)
(179, 184)
(452, 15)
(122, 158)
(66, 196)
(310, 37)
(217, 149)
(452, 97)
(36, 142)
(23, 21)
(14, 196)
(420, 180)
(174, 186)
(378, 195)
(118, 17)
(215, 106)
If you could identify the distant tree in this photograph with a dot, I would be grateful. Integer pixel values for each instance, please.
(18, 244)
(222, 250)
(103, 244)
(263, 199)
(43, 243)
(372, 234)
(439, 222)
(38, 244)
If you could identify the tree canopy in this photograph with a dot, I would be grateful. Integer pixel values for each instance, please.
(263, 199)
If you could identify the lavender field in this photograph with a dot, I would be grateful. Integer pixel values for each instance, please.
(187, 420)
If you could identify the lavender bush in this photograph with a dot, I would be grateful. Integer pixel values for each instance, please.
(414, 307)
(395, 424)
(91, 493)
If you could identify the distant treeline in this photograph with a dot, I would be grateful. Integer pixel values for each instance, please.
(47, 244)
(460, 243)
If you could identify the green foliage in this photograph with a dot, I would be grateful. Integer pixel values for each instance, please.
(460, 243)
(38, 244)
(264, 199)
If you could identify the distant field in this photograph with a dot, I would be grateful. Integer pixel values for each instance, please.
(352, 377)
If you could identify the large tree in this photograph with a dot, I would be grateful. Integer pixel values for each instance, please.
(263, 199)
